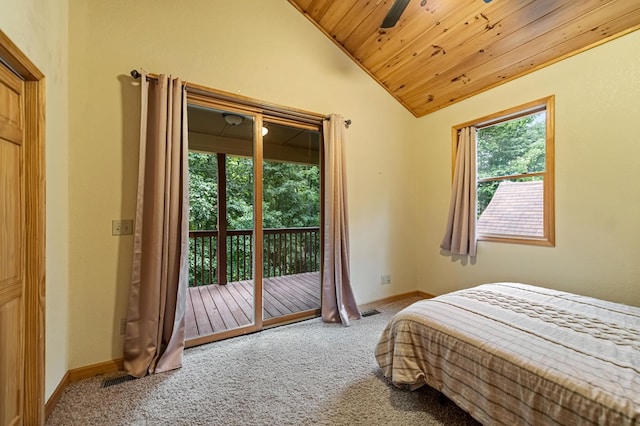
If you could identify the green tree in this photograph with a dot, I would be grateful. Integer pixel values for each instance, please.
(291, 195)
(203, 190)
(239, 193)
(291, 199)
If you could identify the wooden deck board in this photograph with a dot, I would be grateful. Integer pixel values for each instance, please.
(220, 306)
(276, 307)
(203, 323)
(310, 284)
(308, 289)
(284, 296)
(290, 292)
(211, 310)
(242, 299)
(233, 306)
(307, 292)
(216, 308)
(191, 328)
(245, 290)
(270, 310)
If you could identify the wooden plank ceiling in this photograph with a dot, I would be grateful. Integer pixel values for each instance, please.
(443, 51)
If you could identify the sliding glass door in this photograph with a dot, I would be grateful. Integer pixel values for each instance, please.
(291, 222)
(254, 239)
(221, 294)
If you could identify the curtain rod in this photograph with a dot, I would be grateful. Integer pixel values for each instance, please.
(136, 74)
(347, 122)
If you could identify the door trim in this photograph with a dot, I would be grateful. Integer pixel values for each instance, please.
(35, 220)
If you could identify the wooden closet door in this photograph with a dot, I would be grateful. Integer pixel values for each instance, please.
(12, 247)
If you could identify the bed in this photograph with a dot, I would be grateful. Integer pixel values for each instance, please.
(510, 353)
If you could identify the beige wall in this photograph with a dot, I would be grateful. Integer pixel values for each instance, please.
(39, 29)
(597, 190)
(261, 49)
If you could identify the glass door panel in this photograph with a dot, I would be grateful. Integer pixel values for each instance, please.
(220, 300)
(291, 222)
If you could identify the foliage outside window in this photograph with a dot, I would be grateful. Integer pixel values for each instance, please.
(291, 193)
(514, 160)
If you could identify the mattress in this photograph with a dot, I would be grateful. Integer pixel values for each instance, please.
(510, 353)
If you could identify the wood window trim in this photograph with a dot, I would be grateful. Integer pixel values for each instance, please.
(206, 96)
(544, 104)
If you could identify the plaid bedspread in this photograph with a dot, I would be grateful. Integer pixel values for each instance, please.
(515, 354)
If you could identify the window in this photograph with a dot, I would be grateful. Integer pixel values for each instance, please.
(514, 163)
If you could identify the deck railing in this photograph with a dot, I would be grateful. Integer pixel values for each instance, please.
(286, 251)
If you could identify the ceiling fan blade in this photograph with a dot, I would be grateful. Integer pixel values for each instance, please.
(394, 13)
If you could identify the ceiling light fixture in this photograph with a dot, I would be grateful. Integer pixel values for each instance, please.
(264, 130)
(232, 119)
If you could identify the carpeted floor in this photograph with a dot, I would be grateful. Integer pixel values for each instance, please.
(309, 373)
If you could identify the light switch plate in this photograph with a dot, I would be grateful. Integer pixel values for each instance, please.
(122, 227)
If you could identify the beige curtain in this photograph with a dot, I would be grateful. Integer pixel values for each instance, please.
(460, 236)
(338, 302)
(154, 338)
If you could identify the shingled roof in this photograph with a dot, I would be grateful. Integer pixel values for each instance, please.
(515, 209)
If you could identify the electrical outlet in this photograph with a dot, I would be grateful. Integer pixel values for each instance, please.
(385, 279)
(123, 326)
(122, 227)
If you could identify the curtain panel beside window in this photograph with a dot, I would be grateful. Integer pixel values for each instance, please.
(460, 234)
(154, 337)
(338, 302)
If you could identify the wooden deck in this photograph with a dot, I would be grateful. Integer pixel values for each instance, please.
(215, 308)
